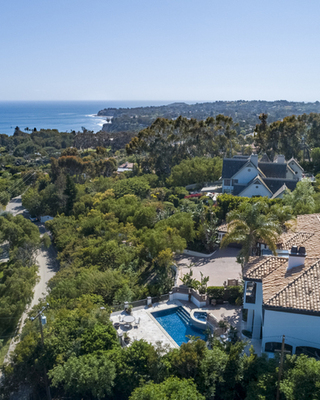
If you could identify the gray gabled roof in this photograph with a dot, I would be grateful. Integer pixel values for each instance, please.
(273, 170)
(231, 166)
(278, 192)
(265, 158)
(274, 184)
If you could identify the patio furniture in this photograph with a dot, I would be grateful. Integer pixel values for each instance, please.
(120, 318)
(137, 322)
(128, 319)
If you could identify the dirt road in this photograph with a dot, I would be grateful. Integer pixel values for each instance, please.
(48, 266)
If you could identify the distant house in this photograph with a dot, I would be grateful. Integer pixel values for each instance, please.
(246, 176)
(282, 294)
(125, 167)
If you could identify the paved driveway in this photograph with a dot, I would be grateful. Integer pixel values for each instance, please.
(220, 267)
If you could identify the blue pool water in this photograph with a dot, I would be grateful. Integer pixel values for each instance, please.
(176, 326)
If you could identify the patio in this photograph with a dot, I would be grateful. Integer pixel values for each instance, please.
(219, 268)
(152, 332)
(148, 328)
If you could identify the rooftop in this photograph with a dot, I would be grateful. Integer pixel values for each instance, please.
(299, 288)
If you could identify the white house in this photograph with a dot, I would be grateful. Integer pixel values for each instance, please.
(246, 176)
(282, 294)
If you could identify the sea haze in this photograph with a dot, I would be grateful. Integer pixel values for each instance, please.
(61, 115)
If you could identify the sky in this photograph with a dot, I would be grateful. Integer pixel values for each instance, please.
(173, 50)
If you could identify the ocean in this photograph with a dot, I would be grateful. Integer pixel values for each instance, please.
(62, 115)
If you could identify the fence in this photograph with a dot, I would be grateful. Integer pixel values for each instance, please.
(200, 298)
(140, 303)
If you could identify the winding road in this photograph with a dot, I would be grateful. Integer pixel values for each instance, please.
(48, 266)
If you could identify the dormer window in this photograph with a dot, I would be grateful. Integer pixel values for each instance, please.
(249, 169)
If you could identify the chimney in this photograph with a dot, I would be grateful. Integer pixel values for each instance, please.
(296, 257)
(280, 159)
(254, 159)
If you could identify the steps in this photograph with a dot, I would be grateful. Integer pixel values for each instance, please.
(184, 315)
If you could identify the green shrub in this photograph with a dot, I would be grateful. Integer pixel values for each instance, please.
(216, 292)
(232, 293)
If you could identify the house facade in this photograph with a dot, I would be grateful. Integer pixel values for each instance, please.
(247, 176)
(282, 294)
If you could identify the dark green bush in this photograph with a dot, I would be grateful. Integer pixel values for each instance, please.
(232, 294)
(216, 292)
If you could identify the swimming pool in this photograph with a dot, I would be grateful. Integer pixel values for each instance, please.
(176, 322)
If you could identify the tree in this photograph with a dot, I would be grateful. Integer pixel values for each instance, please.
(186, 361)
(301, 198)
(163, 264)
(182, 222)
(70, 193)
(302, 380)
(171, 389)
(196, 170)
(144, 216)
(91, 375)
(247, 225)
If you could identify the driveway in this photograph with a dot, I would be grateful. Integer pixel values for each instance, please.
(220, 267)
(48, 266)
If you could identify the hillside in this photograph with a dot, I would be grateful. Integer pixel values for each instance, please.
(245, 113)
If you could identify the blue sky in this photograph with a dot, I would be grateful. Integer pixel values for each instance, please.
(203, 50)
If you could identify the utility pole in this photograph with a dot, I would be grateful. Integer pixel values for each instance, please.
(42, 342)
(280, 368)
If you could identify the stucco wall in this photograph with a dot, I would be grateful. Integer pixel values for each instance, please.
(299, 329)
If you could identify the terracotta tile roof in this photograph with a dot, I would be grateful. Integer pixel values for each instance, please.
(302, 292)
(259, 267)
(297, 239)
(299, 288)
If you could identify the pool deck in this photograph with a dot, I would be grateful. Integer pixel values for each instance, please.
(148, 329)
(152, 332)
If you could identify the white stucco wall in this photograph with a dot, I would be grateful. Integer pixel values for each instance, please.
(198, 303)
(245, 175)
(252, 190)
(299, 329)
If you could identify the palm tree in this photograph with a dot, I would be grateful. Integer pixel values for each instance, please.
(247, 225)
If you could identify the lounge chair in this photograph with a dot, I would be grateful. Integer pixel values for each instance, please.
(137, 322)
(120, 318)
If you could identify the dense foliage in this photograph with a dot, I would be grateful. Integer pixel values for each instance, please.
(116, 235)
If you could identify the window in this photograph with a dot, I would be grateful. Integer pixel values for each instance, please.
(272, 347)
(249, 169)
(257, 187)
(234, 181)
(227, 182)
(251, 292)
(309, 351)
